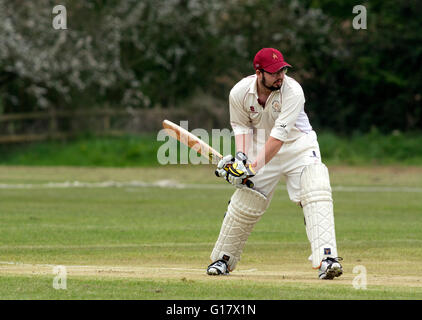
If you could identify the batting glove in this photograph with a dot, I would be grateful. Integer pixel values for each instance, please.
(223, 166)
(239, 171)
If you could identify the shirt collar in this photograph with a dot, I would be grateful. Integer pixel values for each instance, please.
(253, 87)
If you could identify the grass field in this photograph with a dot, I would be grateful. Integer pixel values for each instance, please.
(147, 233)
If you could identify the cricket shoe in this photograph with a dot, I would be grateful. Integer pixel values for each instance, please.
(217, 268)
(330, 268)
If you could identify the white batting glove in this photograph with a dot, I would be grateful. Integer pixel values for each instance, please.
(222, 165)
(239, 171)
(236, 175)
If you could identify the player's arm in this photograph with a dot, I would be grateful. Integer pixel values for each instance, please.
(237, 169)
(242, 142)
(272, 146)
(240, 122)
(291, 107)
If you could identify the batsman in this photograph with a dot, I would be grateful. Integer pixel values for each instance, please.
(274, 139)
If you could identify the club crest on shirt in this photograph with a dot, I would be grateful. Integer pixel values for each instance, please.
(276, 106)
(253, 110)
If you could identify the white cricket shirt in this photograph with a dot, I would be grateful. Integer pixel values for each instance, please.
(283, 116)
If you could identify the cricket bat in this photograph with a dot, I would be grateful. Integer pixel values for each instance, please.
(193, 142)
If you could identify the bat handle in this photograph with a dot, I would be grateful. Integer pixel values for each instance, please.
(248, 183)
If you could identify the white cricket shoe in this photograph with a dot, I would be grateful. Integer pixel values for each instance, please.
(330, 268)
(217, 268)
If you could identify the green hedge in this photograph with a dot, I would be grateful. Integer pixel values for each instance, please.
(372, 148)
(358, 149)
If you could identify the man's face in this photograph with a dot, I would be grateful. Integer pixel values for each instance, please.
(272, 81)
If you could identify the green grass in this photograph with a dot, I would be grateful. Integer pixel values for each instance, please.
(40, 287)
(129, 151)
(135, 243)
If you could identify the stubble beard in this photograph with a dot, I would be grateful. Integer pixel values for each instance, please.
(271, 88)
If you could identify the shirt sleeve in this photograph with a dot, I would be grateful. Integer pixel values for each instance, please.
(291, 106)
(239, 118)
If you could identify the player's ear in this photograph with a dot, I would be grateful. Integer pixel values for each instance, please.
(258, 72)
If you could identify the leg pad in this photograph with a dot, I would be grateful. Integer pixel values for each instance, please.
(317, 206)
(245, 209)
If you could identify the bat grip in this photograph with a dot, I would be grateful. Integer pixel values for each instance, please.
(248, 183)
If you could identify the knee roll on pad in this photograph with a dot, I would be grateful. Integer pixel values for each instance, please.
(317, 203)
(245, 209)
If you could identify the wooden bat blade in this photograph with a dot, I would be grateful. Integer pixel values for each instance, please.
(191, 141)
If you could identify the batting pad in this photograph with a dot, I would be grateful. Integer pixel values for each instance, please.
(245, 209)
(317, 204)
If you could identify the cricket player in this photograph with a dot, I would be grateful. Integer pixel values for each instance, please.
(274, 138)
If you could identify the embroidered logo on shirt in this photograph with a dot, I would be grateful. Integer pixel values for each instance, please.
(252, 108)
(276, 106)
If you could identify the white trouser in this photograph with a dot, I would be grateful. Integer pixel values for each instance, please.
(288, 162)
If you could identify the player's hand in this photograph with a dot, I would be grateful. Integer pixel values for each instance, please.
(239, 172)
(223, 165)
